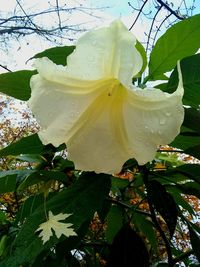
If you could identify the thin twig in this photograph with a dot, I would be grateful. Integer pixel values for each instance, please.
(170, 10)
(140, 11)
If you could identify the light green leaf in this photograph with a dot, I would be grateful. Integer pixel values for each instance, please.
(179, 41)
(16, 84)
(141, 49)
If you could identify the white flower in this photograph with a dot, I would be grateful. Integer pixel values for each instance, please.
(53, 224)
(92, 106)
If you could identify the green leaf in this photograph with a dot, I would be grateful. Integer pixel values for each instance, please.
(82, 199)
(9, 179)
(179, 41)
(142, 52)
(193, 151)
(57, 54)
(16, 84)
(195, 241)
(145, 226)
(192, 117)
(8, 183)
(114, 222)
(190, 188)
(180, 200)
(128, 249)
(30, 144)
(164, 203)
(43, 175)
(186, 140)
(190, 68)
(192, 171)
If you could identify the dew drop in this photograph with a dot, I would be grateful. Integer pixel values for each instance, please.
(162, 121)
(168, 114)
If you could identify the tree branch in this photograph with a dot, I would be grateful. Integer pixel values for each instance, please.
(170, 10)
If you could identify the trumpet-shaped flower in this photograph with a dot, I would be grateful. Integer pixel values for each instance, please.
(93, 107)
(53, 224)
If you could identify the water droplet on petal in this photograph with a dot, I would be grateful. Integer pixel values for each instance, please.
(168, 114)
(162, 121)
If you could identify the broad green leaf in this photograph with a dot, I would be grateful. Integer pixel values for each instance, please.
(192, 171)
(128, 249)
(82, 199)
(16, 84)
(179, 41)
(8, 183)
(10, 179)
(195, 241)
(190, 68)
(26, 145)
(146, 228)
(190, 188)
(57, 54)
(164, 203)
(193, 151)
(192, 117)
(180, 200)
(114, 222)
(42, 176)
(186, 140)
(31, 158)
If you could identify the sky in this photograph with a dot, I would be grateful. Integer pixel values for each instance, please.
(18, 53)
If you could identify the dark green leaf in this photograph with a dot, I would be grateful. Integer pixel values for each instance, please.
(190, 68)
(184, 142)
(192, 117)
(40, 176)
(16, 84)
(190, 188)
(145, 226)
(9, 179)
(26, 145)
(195, 241)
(193, 151)
(57, 54)
(128, 249)
(180, 200)
(164, 203)
(82, 199)
(114, 222)
(179, 41)
(192, 171)
(8, 183)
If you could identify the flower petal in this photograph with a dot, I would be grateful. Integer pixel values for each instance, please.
(152, 118)
(101, 144)
(56, 109)
(107, 52)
